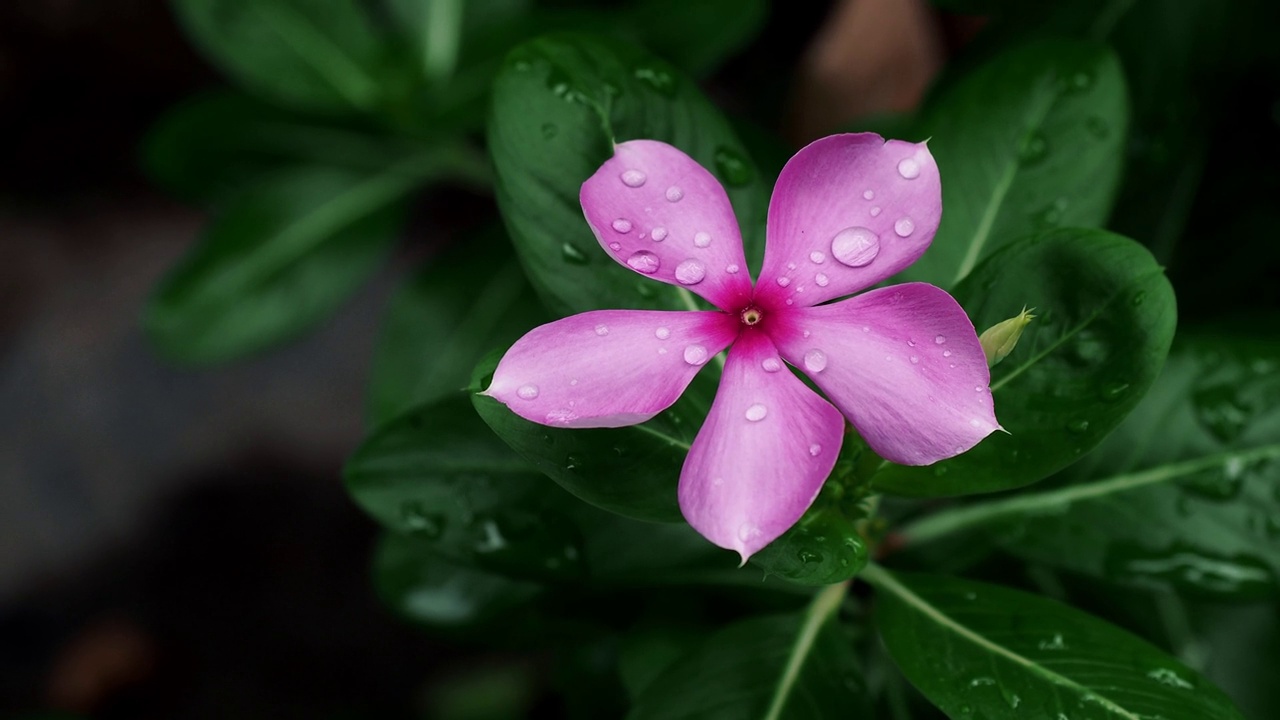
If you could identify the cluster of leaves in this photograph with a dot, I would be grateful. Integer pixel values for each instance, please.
(1155, 459)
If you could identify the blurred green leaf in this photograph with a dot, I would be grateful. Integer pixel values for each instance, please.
(463, 303)
(1184, 493)
(789, 666)
(1105, 316)
(696, 36)
(315, 54)
(276, 261)
(1029, 141)
(425, 588)
(559, 104)
(979, 650)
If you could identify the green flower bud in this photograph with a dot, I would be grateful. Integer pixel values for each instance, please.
(1000, 339)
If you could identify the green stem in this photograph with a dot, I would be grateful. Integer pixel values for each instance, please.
(824, 605)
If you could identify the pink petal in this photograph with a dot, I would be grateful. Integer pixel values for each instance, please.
(848, 211)
(655, 210)
(608, 368)
(760, 459)
(903, 363)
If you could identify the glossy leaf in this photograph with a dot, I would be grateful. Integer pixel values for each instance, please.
(462, 304)
(788, 666)
(1105, 316)
(425, 588)
(1184, 493)
(559, 104)
(279, 259)
(982, 651)
(1029, 141)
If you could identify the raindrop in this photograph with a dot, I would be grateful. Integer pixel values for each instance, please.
(904, 227)
(1165, 676)
(572, 254)
(815, 449)
(821, 280)
(690, 272)
(549, 131)
(915, 360)
(1098, 127)
(622, 225)
(602, 330)
(940, 339)
(855, 246)
(1077, 426)
(528, 392)
(791, 266)
(643, 261)
(909, 168)
(868, 195)
(756, 412)
(1114, 391)
(784, 281)
(732, 269)
(815, 360)
(695, 355)
(633, 178)
(747, 531)
(674, 194)
(771, 364)
(817, 257)
(875, 211)
(1034, 148)
(659, 234)
(662, 333)
(702, 240)
(807, 333)
(947, 353)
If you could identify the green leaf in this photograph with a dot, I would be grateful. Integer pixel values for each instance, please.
(446, 33)
(279, 259)
(632, 471)
(788, 666)
(314, 54)
(1184, 493)
(210, 146)
(559, 105)
(1028, 141)
(978, 650)
(425, 588)
(463, 304)
(697, 36)
(1105, 316)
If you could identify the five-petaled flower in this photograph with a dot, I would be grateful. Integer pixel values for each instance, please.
(902, 363)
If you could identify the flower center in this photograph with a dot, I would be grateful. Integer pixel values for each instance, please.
(750, 315)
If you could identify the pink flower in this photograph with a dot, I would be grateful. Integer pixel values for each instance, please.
(902, 363)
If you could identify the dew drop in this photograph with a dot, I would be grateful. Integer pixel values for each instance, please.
(643, 261)
(821, 280)
(875, 211)
(549, 131)
(662, 333)
(815, 360)
(573, 381)
(702, 239)
(690, 272)
(909, 168)
(615, 246)
(868, 195)
(602, 330)
(732, 269)
(790, 301)
(633, 178)
(622, 225)
(528, 392)
(904, 227)
(1077, 426)
(855, 246)
(814, 449)
(817, 257)
(915, 360)
(674, 194)
(756, 412)
(695, 355)
(747, 531)
(807, 333)
(771, 364)
(947, 353)
(784, 281)
(940, 339)
(718, 481)
(791, 266)
(659, 234)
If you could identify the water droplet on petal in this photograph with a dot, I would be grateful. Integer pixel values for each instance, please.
(904, 227)
(659, 234)
(718, 481)
(821, 280)
(690, 272)
(695, 355)
(732, 269)
(946, 353)
(807, 333)
(940, 339)
(573, 381)
(915, 360)
(791, 266)
(817, 257)
(549, 131)
(702, 239)
(622, 225)
(866, 328)
(855, 246)
(528, 392)
(909, 168)
(784, 281)
(674, 194)
(790, 301)
(747, 531)
(975, 422)
(815, 360)
(602, 330)
(875, 211)
(662, 333)
(868, 194)
(633, 178)
(643, 261)
(814, 449)
(771, 364)
(756, 412)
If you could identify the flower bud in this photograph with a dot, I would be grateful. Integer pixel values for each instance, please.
(1000, 339)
